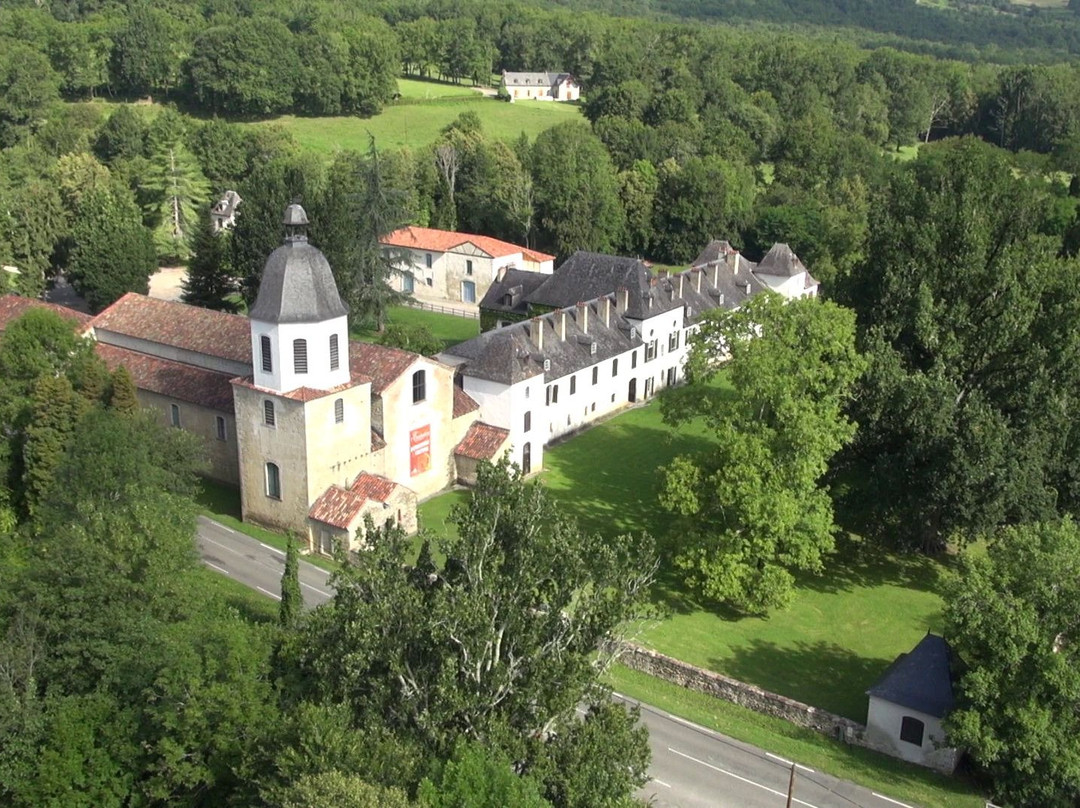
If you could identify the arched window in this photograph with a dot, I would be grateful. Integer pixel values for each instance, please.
(335, 360)
(419, 386)
(267, 361)
(911, 730)
(299, 353)
(268, 413)
(526, 458)
(339, 411)
(273, 481)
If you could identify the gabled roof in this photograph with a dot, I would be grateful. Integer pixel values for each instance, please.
(12, 307)
(213, 333)
(428, 238)
(379, 363)
(482, 441)
(715, 250)
(518, 284)
(587, 276)
(173, 379)
(780, 261)
(339, 507)
(920, 679)
(303, 394)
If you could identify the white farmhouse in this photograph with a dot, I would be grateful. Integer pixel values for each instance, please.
(442, 265)
(541, 86)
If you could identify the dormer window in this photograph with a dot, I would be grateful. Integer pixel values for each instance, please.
(592, 349)
(547, 365)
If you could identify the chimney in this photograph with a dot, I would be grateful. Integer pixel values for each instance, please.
(562, 325)
(500, 274)
(682, 277)
(536, 331)
(736, 254)
(697, 280)
(622, 300)
(716, 276)
(607, 311)
(583, 317)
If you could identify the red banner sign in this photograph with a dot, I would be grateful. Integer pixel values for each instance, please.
(419, 450)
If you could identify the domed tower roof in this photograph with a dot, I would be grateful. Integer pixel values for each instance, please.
(297, 285)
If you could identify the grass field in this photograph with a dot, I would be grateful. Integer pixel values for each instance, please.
(417, 88)
(446, 327)
(841, 632)
(417, 125)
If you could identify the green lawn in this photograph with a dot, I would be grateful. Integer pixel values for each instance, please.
(841, 632)
(427, 89)
(417, 125)
(889, 776)
(251, 604)
(446, 327)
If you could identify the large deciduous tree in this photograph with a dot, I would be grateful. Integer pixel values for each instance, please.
(966, 313)
(753, 506)
(1012, 618)
(576, 191)
(497, 644)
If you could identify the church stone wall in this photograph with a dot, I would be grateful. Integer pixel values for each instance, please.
(202, 422)
(336, 452)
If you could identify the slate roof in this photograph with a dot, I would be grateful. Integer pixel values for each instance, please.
(428, 238)
(173, 379)
(510, 354)
(715, 250)
(297, 286)
(781, 262)
(463, 403)
(482, 441)
(339, 507)
(213, 333)
(12, 307)
(524, 79)
(519, 284)
(379, 363)
(587, 276)
(920, 679)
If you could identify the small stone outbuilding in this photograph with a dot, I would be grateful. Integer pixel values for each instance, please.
(338, 517)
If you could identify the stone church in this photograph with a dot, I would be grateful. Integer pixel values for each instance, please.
(317, 431)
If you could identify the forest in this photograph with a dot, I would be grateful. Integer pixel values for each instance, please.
(927, 177)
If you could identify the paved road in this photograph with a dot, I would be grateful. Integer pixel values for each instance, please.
(692, 767)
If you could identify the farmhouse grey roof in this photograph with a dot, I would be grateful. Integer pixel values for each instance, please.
(587, 275)
(920, 679)
(568, 340)
(534, 79)
(715, 250)
(297, 284)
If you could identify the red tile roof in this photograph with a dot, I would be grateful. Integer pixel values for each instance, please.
(482, 441)
(303, 393)
(463, 403)
(339, 506)
(427, 238)
(213, 333)
(12, 307)
(172, 379)
(379, 363)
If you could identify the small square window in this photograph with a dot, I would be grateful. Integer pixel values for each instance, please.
(911, 730)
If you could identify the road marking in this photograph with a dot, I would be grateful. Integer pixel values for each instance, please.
(316, 589)
(222, 546)
(737, 777)
(269, 593)
(219, 569)
(787, 762)
(890, 799)
(661, 782)
(273, 550)
(226, 528)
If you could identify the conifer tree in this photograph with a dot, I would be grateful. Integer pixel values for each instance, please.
(123, 398)
(56, 409)
(292, 601)
(177, 193)
(209, 282)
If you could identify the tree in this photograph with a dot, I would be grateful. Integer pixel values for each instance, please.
(498, 644)
(209, 281)
(416, 338)
(113, 252)
(147, 53)
(342, 790)
(292, 599)
(121, 137)
(28, 87)
(123, 398)
(176, 198)
(963, 310)
(53, 420)
(753, 505)
(576, 191)
(476, 777)
(1011, 617)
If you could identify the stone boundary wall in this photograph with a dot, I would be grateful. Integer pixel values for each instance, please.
(746, 695)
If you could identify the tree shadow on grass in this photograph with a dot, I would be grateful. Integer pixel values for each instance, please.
(821, 674)
(858, 563)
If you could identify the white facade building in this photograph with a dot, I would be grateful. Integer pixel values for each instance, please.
(540, 86)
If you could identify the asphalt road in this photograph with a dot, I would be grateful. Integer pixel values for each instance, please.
(692, 767)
